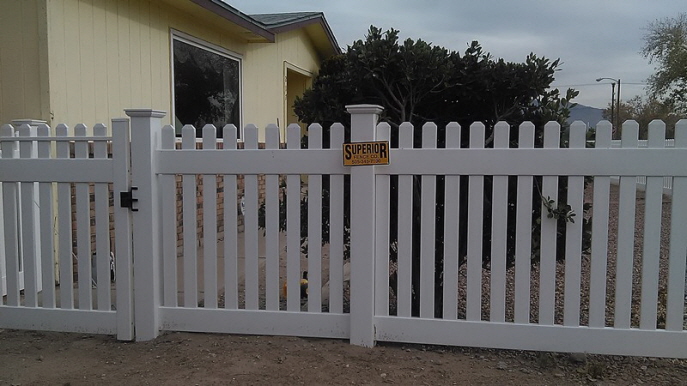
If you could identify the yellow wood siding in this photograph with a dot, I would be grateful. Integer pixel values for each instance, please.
(106, 56)
(265, 86)
(23, 60)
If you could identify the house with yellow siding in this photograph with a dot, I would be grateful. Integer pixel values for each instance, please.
(202, 61)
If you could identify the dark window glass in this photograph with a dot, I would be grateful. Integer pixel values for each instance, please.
(206, 88)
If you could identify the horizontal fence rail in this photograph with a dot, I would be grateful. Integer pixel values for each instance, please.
(641, 180)
(618, 162)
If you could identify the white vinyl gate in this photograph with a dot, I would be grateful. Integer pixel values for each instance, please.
(201, 264)
(43, 185)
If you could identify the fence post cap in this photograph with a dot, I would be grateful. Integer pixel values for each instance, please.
(145, 113)
(364, 109)
(30, 122)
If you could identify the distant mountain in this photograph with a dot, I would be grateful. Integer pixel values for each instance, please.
(589, 115)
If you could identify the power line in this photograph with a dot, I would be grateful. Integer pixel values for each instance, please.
(597, 84)
(583, 107)
(575, 85)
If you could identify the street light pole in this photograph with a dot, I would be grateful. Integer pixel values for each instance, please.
(616, 123)
(618, 106)
(613, 103)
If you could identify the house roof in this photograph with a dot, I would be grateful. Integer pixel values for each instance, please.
(264, 27)
(276, 20)
(284, 22)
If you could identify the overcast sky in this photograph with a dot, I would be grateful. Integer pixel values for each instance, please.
(593, 39)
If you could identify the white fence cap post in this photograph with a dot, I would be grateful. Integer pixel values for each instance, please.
(146, 129)
(363, 121)
(363, 128)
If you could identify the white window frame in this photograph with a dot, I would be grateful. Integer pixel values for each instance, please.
(215, 49)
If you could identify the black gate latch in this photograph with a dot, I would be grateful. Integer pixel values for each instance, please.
(127, 200)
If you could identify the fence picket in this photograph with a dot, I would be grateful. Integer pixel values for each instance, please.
(473, 308)
(250, 224)
(210, 224)
(382, 208)
(315, 227)
(427, 224)
(626, 235)
(27, 218)
(230, 227)
(102, 223)
(451, 234)
(188, 188)
(10, 223)
(272, 226)
(678, 243)
(64, 225)
(168, 191)
(573, 240)
(405, 229)
(653, 202)
(549, 231)
(83, 226)
(599, 247)
(523, 235)
(293, 226)
(499, 224)
(46, 226)
(336, 228)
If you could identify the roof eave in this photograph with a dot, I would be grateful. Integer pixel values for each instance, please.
(237, 17)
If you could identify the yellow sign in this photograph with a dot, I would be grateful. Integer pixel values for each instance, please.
(366, 153)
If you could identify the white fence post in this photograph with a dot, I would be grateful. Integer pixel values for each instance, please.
(146, 127)
(363, 128)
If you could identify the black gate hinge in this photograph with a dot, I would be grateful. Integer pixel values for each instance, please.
(127, 200)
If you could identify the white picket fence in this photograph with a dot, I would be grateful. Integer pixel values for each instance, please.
(236, 285)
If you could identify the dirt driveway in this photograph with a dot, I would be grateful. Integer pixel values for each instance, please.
(48, 358)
